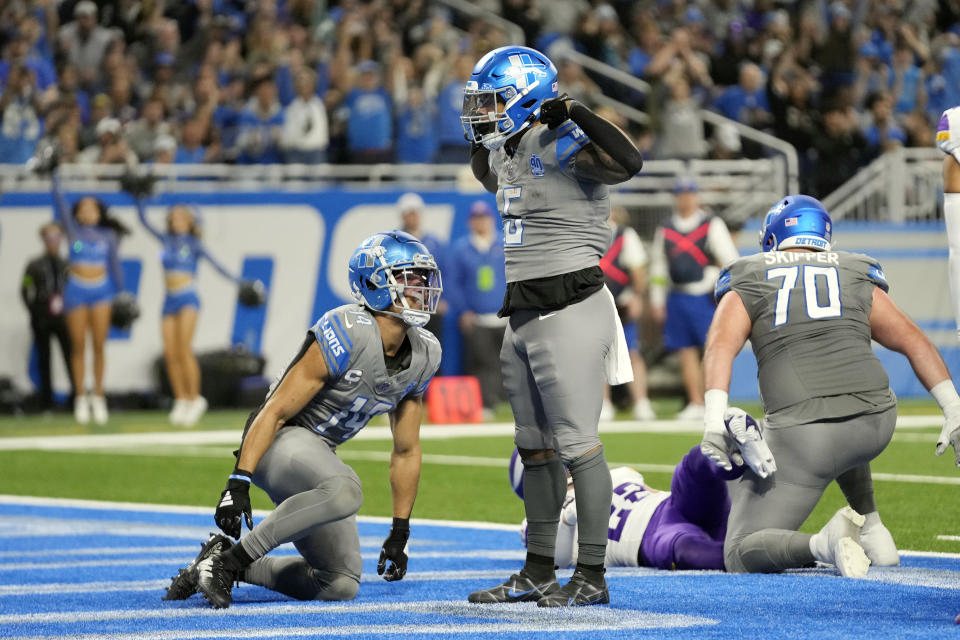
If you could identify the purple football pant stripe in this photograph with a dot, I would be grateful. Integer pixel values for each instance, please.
(688, 528)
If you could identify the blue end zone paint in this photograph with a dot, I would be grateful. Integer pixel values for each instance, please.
(248, 321)
(132, 268)
(131, 554)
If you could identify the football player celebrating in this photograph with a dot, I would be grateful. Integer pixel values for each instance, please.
(948, 139)
(810, 313)
(549, 159)
(357, 361)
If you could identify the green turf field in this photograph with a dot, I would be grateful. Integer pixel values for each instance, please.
(469, 483)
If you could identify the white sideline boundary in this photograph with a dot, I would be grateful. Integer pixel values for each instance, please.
(427, 432)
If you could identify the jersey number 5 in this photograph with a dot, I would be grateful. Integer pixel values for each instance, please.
(818, 283)
(512, 227)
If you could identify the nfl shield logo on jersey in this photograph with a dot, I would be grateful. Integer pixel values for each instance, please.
(536, 166)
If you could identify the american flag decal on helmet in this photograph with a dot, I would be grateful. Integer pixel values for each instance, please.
(789, 222)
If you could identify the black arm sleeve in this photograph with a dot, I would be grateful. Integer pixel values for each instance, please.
(480, 165)
(607, 137)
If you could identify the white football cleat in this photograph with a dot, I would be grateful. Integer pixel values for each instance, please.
(877, 542)
(81, 408)
(692, 412)
(195, 410)
(179, 412)
(98, 406)
(643, 410)
(838, 543)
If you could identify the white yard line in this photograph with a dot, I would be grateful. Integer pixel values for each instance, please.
(427, 432)
(949, 538)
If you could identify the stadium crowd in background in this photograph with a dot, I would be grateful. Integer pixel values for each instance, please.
(234, 80)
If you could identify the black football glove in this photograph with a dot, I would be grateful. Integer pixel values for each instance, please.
(234, 502)
(554, 112)
(393, 551)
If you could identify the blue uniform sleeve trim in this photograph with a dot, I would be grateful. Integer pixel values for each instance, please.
(332, 346)
(343, 333)
(722, 286)
(568, 143)
(875, 273)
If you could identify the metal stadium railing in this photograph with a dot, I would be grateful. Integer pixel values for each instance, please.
(903, 185)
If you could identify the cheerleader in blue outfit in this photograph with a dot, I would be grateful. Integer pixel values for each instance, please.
(182, 251)
(94, 276)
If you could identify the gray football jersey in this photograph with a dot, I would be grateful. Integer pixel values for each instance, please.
(553, 222)
(811, 333)
(359, 386)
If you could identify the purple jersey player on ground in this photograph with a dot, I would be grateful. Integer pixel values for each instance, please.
(683, 528)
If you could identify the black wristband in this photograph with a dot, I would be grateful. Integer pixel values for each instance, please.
(401, 524)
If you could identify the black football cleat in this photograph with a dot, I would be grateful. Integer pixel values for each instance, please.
(215, 581)
(581, 591)
(184, 584)
(519, 588)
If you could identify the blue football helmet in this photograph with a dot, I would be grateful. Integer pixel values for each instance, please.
(796, 222)
(394, 268)
(504, 94)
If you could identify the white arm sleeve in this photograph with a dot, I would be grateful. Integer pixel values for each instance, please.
(632, 254)
(659, 271)
(721, 243)
(951, 215)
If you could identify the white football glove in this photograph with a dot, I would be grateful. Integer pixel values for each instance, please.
(948, 132)
(950, 434)
(753, 448)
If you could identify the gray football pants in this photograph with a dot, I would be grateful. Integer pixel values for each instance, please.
(554, 373)
(317, 497)
(766, 513)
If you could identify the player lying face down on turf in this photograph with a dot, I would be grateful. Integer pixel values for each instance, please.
(810, 313)
(549, 159)
(359, 360)
(683, 528)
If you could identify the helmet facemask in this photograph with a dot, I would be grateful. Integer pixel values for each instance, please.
(415, 287)
(486, 119)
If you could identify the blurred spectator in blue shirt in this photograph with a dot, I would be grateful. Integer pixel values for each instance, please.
(881, 131)
(474, 285)
(369, 117)
(260, 125)
(906, 80)
(191, 149)
(454, 148)
(416, 128)
(18, 53)
(305, 132)
(746, 102)
(20, 127)
(226, 116)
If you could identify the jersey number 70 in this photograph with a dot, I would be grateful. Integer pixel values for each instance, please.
(818, 282)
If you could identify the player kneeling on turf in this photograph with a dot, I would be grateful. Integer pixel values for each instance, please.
(357, 361)
(810, 313)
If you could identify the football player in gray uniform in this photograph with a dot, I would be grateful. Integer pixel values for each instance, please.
(359, 360)
(564, 341)
(810, 313)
